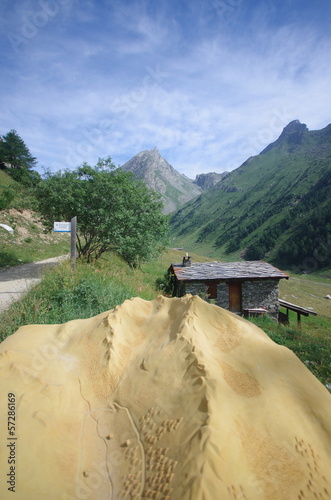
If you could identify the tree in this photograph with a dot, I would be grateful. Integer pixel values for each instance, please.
(17, 160)
(15, 153)
(114, 211)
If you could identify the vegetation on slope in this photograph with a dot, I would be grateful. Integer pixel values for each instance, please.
(28, 242)
(113, 210)
(263, 209)
(16, 159)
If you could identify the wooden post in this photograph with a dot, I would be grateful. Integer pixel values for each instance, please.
(73, 242)
(299, 318)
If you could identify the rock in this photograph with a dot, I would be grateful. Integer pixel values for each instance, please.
(207, 181)
(7, 228)
(175, 188)
(174, 398)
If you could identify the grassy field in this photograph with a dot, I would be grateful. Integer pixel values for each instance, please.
(308, 291)
(311, 342)
(64, 295)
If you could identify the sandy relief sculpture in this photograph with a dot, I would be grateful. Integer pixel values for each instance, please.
(168, 399)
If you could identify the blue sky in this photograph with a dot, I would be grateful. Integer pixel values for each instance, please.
(209, 83)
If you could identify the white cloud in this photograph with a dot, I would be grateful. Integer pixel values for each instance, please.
(121, 78)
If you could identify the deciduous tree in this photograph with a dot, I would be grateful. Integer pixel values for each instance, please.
(114, 211)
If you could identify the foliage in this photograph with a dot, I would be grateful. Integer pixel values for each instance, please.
(8, 259)
(14, 151)
(6, 197)
(114, 211)
(308, 247)
(165, 284)
(16, 158)
(28, 178)
(14, 194)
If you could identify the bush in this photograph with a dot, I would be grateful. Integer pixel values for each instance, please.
(8, 259)
(113, 210)
(6, 197)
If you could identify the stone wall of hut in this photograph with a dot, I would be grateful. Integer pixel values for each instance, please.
(255, 294)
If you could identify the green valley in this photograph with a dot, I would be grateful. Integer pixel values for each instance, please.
(276, 206)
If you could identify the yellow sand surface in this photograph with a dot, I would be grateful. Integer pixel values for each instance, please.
(168, 399)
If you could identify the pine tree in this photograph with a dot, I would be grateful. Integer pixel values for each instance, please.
(14, 153)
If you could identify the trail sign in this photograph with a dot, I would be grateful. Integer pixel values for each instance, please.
(62, 227)
(69, 227)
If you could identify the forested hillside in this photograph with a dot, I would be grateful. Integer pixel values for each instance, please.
(276, 206)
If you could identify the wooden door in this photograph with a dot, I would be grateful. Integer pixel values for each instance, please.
(212, 289)
(235, 297)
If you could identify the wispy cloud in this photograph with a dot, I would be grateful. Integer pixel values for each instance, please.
(208, 83)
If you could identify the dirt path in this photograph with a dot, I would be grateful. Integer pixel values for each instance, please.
(16, 281)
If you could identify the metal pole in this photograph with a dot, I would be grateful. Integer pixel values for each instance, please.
(73, 242)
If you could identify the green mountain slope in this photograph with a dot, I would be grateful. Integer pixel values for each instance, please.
(276, 206)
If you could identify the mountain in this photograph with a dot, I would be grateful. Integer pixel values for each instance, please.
(276, 206)
(175, 188)
(207, 181)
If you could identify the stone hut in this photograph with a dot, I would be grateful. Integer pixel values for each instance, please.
(245, 288)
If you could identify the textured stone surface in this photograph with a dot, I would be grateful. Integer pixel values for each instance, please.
(227, 270)
(262, 293)
(255, 294)
(170, 399)
(207, 181)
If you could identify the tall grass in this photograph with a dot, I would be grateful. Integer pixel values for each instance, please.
(64, 295)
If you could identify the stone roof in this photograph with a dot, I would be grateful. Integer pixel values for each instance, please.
(227, 270)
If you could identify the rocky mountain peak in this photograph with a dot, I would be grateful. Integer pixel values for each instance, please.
(153, 154)
(293, 134)
(294, 127)
(175, 188)
(207, 181)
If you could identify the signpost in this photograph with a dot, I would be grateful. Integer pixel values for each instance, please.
(69, 227)
(73, 242)
(62, 227)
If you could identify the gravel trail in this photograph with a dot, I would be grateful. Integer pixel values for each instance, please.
(17, 280)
